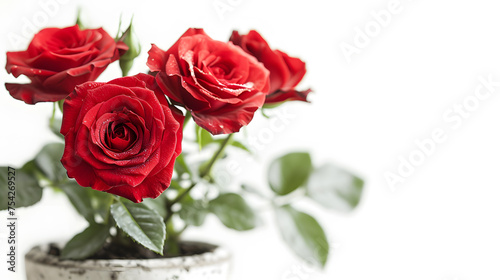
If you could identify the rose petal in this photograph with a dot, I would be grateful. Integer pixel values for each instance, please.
(282, 96)
(232, 118)
(32, 94)
(59, 59)
(124, 138)
(297, 69)
(157, 59)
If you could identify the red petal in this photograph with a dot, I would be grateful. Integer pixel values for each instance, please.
(230, 118)
(31, 94)
(156, 59)
(281, 96)
(297, 70)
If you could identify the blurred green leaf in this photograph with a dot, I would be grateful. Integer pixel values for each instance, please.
(289, 172)
(235, 144)
(88, 202)
(233, 211)
(101, 203)
(158, 204)
(203, 137)
(79, 198)
(86, 243)
(181, 167)
(303, 234)
(144, 225)
(193, 212)
(253, 190)
(335, 188)
(55, 127)
(48, 160)
(26, 190)
(174, 185)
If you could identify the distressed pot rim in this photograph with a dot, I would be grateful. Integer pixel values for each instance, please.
(39, 254)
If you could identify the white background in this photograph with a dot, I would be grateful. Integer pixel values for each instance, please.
(441, 223)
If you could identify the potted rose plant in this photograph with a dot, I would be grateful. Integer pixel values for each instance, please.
(125, 166)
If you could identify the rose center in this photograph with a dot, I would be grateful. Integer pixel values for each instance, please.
(120, 136)
(218, 72)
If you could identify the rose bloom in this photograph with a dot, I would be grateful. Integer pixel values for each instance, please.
(285, 71)
(59, 59)
(122, 137)
(220, 84)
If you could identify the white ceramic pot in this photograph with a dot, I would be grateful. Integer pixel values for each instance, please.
(212, 265)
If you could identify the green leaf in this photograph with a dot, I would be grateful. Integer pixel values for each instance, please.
(86, 243)
(158, 204)
(48, 160)
(335, 188)
(235, 144)
(193, 212)
(55, 127)
(303, 235)
(27, 191)
(251, 189)
(101, 203)
(79, 198)
(289, 172)
(88, 202)
(181, 167)
(174, 185)
(233, 212)
(203, 137)
(144, 225)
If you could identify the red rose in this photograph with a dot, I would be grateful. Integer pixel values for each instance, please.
(218, 82)
(285, 71)
(121, 137)
(59, 59)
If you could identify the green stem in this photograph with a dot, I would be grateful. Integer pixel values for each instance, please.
(187, 118)
(53, 117)
(203, 174)
(207, 170)
(171, 247)
(172, 243)
(217, 156)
